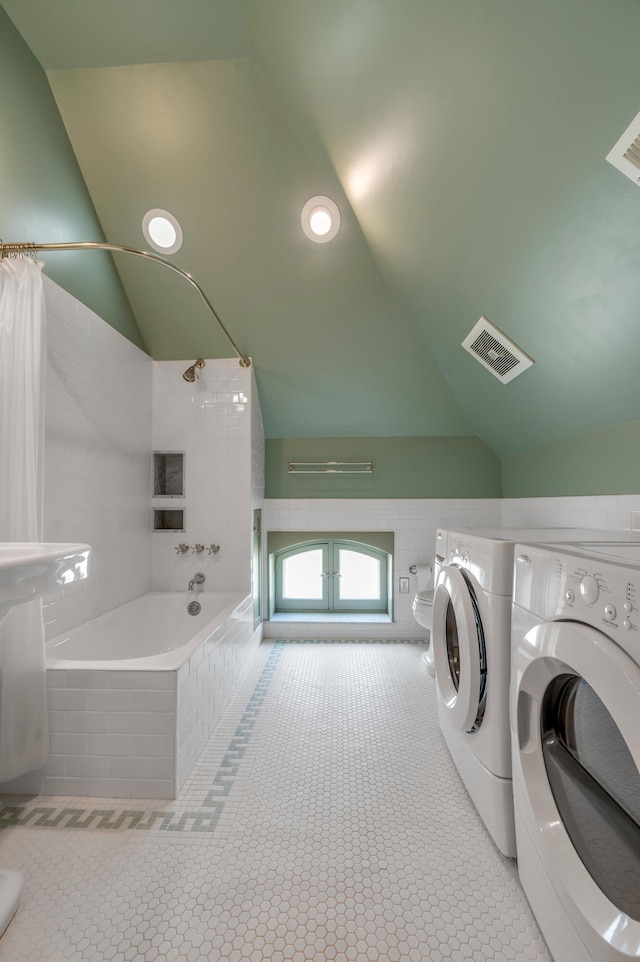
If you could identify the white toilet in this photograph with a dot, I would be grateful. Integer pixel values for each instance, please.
(422, 609)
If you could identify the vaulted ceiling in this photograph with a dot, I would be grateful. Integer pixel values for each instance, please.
(464, 143)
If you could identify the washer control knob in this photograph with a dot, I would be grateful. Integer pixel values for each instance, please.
(569, 595)
(589, 589)
(609, 612)
(626, 624)
(627, 606)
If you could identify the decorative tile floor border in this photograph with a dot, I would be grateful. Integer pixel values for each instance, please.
(109, 818)
(204, 819)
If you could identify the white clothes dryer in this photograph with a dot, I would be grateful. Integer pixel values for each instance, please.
(471, 642)
(575, 723)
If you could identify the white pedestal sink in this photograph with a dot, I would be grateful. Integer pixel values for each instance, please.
(28, 571)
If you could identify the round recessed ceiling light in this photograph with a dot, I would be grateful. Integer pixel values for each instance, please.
(320, 219)
(162, 231)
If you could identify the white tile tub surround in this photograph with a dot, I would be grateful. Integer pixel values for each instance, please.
(414, 524)
(214, 422)
(97, 455)
(208, 680)
(138, 734)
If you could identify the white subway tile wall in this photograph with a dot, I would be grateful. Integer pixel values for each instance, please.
(97, 455)
(414, 524)
(211, 421)
(611, 511)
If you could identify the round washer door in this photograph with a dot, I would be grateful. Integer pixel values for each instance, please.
(458, 649)
(577, 705)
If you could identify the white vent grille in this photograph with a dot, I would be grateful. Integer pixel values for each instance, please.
(495, 351)
(625, 156)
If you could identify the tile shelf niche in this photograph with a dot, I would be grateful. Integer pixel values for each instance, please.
(168, 519)
(168, 482)
(168, 474)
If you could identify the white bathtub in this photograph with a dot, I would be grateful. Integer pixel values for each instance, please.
(153, 632)
(135, 695)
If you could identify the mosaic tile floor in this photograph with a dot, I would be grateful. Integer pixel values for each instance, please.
(325, 821)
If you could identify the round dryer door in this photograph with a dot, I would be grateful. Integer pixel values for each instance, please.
(458, 649)
(577, 705)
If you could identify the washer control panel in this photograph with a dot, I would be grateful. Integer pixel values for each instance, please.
(595, 587)
(595, 592)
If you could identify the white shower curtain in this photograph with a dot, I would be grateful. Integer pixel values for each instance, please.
(24, 737)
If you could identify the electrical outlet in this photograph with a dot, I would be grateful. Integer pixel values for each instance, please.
(404, 586)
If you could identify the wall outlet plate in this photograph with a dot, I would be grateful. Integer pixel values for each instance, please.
(404, 586)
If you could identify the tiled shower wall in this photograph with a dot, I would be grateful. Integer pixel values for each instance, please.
(211, 422)
(100, 394)
(97, 452)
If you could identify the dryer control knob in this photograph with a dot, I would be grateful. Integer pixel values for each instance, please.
(569, 595)
(589, 589)
(609, 612)
(626, 624)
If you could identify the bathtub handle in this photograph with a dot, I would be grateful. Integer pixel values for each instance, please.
(182, 548)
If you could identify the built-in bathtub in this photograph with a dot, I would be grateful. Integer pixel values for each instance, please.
(134, 695)
(154, 632)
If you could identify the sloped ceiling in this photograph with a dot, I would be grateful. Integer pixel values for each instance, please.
(464, 144)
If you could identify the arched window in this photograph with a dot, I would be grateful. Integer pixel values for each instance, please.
(331, 576)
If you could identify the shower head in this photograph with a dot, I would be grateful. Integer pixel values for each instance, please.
(191, 374)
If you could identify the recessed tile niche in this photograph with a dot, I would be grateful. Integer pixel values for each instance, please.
(168, 519)
(168, 474)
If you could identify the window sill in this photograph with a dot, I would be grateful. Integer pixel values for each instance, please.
(333, 617)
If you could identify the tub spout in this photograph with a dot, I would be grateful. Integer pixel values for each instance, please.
(197, 579)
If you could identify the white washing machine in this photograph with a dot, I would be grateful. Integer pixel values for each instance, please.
(471, 643)
(575, 719)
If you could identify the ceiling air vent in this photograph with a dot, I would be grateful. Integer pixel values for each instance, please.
(495, 351)
(626, 153)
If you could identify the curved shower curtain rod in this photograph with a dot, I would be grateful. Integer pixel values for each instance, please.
(25, 247)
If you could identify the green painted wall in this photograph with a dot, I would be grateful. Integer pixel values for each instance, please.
(424, 467)
(44, 197)
(602, 462)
